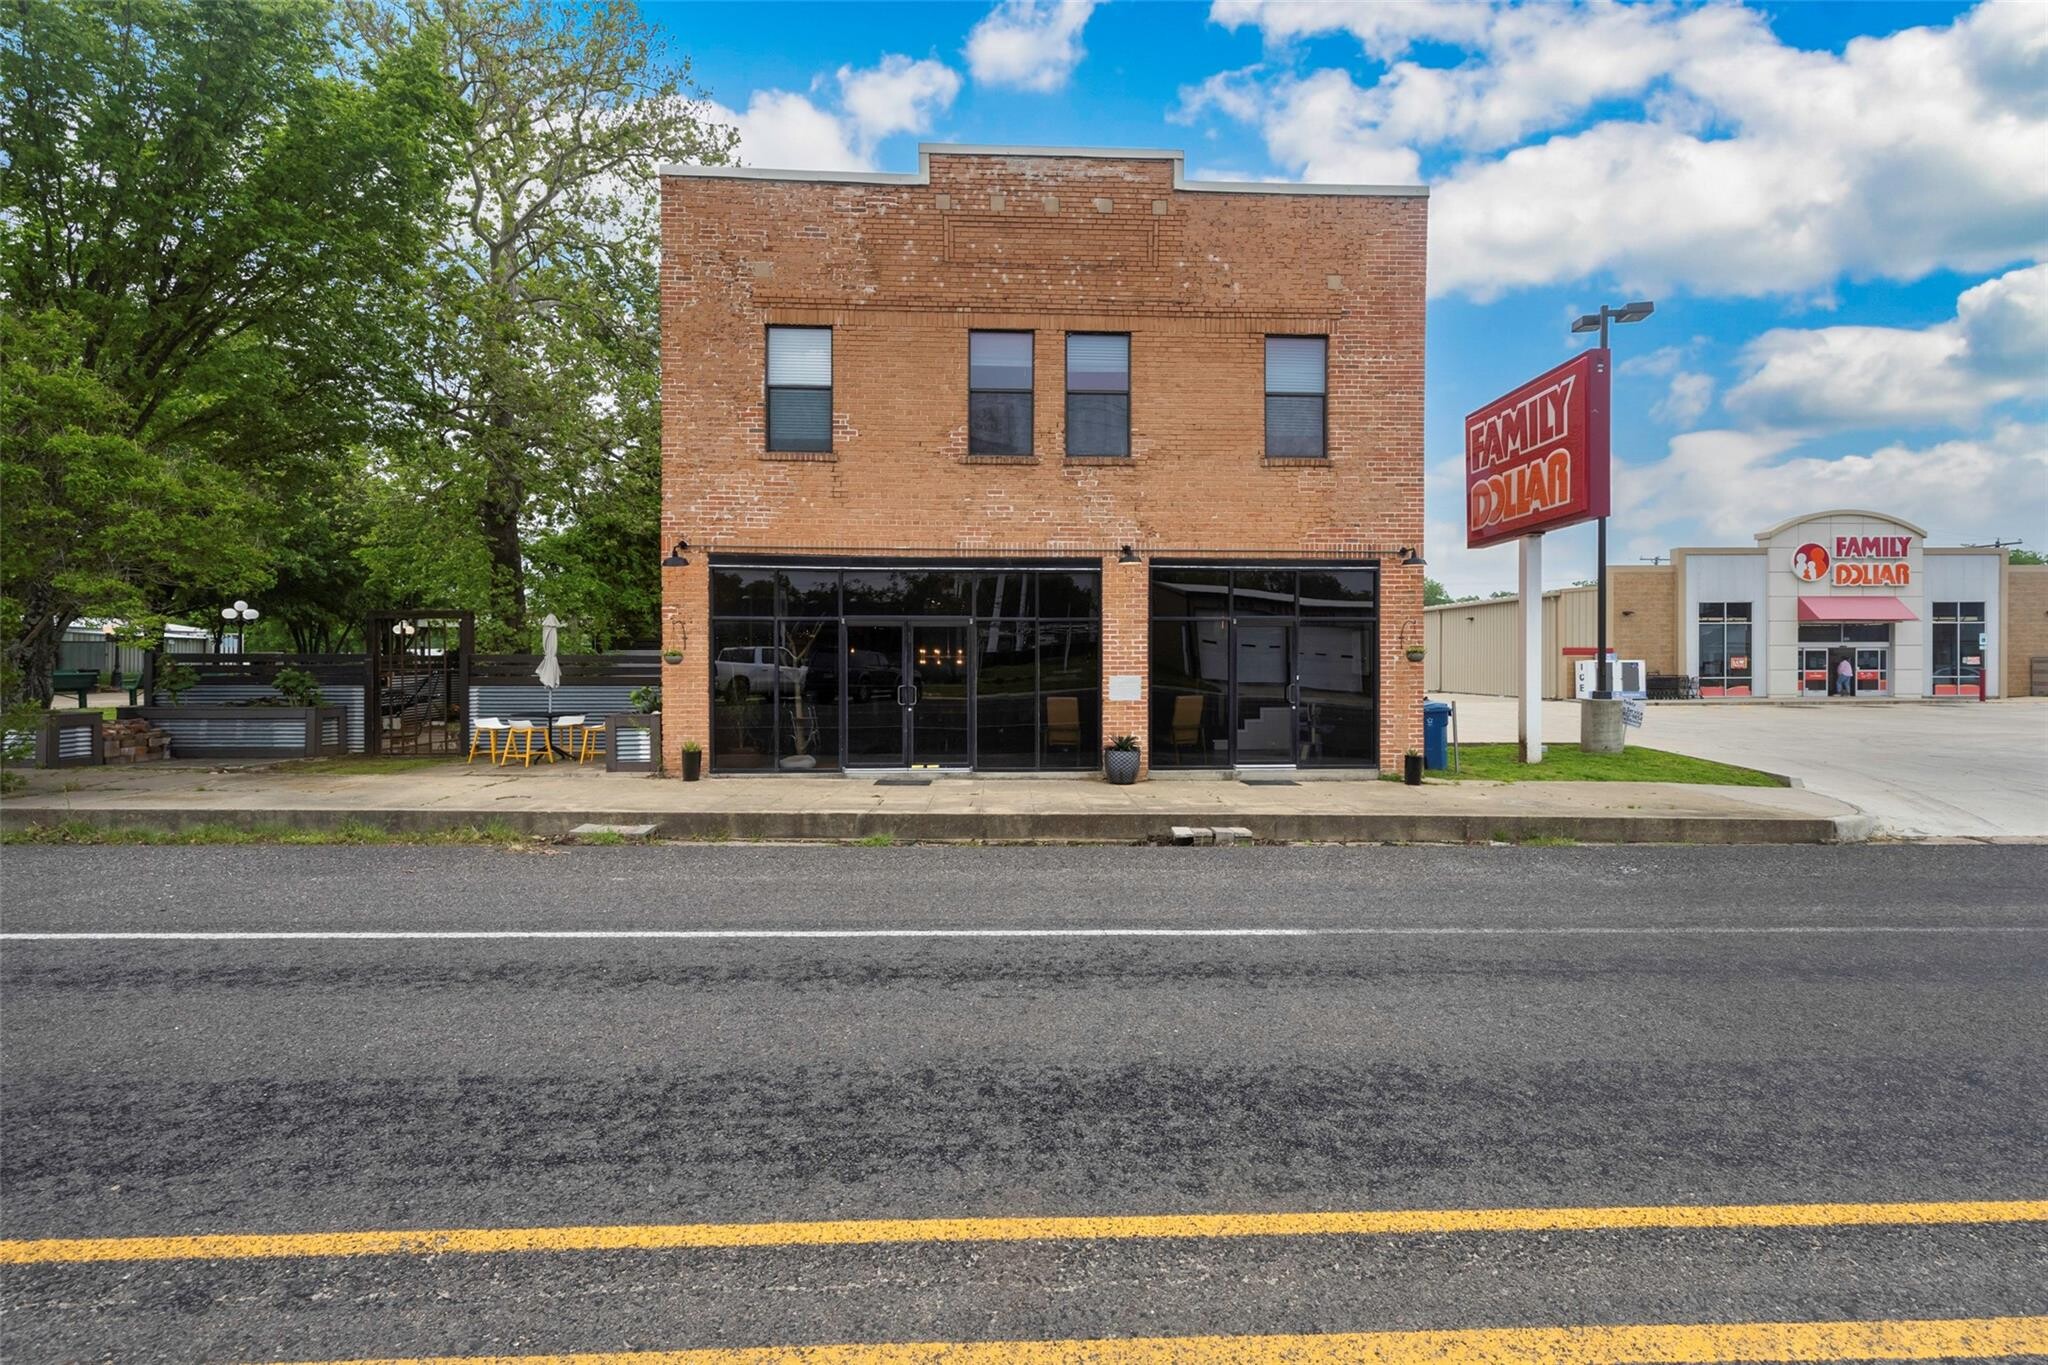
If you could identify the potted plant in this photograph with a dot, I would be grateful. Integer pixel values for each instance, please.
(671, 656)
(1411, 768)
(1120, 760)
(1415, 653)
(693, 760)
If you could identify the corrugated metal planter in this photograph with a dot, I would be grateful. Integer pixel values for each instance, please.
(248, 731)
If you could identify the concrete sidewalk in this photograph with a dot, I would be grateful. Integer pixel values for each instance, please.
(552, 801)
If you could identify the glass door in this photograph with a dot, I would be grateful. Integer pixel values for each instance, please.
(907, 695)
(938, 720)
(1873, 671)
(1267, 694)
(877, 696)
(1814, 677)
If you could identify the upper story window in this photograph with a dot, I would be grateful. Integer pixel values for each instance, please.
(1296, 388)
(1098, 393)
(999, 393)
(799, 388)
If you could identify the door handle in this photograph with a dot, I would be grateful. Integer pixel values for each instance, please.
(1294, 694)
(901, 689)
(914, 693)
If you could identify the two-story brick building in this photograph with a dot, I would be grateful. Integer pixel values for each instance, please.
(982, 466)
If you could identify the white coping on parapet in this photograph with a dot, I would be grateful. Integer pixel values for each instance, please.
(927, 150)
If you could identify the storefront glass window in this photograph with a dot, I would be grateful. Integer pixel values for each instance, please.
(1726, 668)
(1264, 664)
(1070, 694)
(798, 686)
(807, 694)
(1958, 660)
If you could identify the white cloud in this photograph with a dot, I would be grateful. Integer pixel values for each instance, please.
(1732, 484)
(898, 96)
(1754, 167)
(787, 131)
(1689, 396)
(1385, 28)
(1028, 44)
(1993, 350)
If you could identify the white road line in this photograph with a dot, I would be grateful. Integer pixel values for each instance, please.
(1385, 931)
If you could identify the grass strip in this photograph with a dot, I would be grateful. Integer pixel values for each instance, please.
(81, 832)
(1567, 763)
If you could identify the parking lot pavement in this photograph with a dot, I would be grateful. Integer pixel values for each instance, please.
(1923, 770)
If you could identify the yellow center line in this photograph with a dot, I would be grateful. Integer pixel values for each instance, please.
(1702, 1343)
(861, 1232)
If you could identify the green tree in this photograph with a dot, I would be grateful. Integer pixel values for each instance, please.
(540, 329)
(204, 227)
(2019, 555)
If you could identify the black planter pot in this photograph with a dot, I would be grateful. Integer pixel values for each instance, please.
(1411, 769)
(1120, 766)
(693, 764)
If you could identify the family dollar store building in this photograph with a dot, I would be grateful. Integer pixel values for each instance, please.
(1780, 619)
(979, 467)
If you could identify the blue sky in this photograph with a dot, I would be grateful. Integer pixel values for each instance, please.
(1840, 209)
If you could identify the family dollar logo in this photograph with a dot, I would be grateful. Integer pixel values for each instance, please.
(1810, 563)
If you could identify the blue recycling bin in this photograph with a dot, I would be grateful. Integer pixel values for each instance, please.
(1436, 734)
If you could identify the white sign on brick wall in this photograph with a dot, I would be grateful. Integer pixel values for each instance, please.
(1126, 687)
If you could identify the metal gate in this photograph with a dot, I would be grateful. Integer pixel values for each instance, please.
(419, 681)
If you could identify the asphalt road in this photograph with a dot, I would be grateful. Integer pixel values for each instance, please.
(1458, 1029)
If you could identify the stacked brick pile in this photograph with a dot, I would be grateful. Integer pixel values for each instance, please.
(133, 741)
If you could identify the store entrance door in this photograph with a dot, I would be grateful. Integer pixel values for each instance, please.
(1268, 695)
(910, 708)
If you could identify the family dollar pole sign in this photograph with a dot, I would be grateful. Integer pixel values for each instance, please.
(1536, 459)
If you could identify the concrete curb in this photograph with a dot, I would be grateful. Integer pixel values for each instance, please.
(1049, 827)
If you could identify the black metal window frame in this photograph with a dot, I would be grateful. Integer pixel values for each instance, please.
(769, 390)
(1364, 615)
(1323, 394)
(1125, 393)
(1029, 390)
(1713, 622)
(973, 618)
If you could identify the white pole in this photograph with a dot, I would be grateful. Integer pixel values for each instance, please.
(1529, 639)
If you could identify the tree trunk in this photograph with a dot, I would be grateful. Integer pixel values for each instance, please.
(32, 655)
(500, 515)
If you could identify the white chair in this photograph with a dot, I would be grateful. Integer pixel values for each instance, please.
(487, 732)
(519, 742)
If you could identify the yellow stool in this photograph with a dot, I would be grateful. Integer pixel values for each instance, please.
(519, 744)
(587, 749)
(487, 731)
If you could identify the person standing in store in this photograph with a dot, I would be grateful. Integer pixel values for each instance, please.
(1845, 679)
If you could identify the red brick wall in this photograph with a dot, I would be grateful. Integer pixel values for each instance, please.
(1050, 244)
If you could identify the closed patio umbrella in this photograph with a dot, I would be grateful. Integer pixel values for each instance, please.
(550, 670)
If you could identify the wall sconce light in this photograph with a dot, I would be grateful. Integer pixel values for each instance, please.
(1126, 555)
(675, 558)
(1412, 559)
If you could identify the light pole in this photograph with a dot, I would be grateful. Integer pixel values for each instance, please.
(239, 616)
(1603, 672)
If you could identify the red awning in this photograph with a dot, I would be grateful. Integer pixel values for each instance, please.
(1854, 609)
